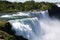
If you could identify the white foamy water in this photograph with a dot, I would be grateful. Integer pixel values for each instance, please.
(58, 5)
(6, 16)
(26, 27)
(39, 27)
(14, 15)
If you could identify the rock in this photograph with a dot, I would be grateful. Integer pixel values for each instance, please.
(54, 12)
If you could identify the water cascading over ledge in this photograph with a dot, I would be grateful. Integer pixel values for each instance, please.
(39, 27)
(29, 27)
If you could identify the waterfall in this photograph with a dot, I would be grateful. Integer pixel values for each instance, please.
(38, 27)
(28, 27)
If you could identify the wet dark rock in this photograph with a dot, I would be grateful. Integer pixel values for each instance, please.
(7, 28)
(20, 38)
(54, 12)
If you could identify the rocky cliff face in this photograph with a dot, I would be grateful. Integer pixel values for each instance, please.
(54, 12)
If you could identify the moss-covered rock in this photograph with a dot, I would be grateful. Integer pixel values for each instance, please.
(6, 33)
(6, 36)
(5, 26)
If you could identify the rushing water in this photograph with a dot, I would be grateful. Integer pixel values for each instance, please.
(36, 26)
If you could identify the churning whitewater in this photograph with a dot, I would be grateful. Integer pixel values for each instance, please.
(38, 27)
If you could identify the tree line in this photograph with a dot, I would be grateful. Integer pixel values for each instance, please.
(6, 6)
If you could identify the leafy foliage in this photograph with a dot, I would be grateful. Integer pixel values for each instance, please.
(6, 6)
